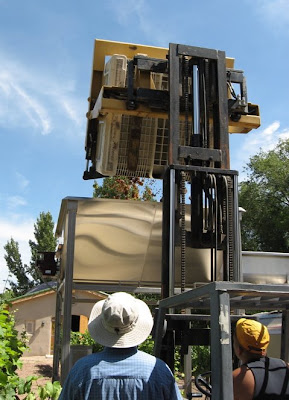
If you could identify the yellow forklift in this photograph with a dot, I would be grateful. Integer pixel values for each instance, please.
(167, 113)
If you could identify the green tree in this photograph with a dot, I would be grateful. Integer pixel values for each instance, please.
(122, 187)
(17, 269)
(45, 240)
(265, 197)
(24, 277)
(6, 296)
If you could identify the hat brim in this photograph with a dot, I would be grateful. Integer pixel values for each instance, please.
(136, 336)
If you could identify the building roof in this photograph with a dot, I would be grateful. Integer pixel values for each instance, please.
(47, 288)
(43, 286)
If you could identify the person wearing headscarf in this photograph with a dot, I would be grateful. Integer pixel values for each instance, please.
(259, 377)
(121, 371)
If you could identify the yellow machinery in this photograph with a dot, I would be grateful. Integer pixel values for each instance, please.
(128, 116)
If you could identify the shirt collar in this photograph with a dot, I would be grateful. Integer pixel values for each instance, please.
(120, 351)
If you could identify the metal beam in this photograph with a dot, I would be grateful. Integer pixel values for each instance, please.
(199, 153)
(68, 283)
(221, 360)
(285, 335)
(174, 125)
(57, 339)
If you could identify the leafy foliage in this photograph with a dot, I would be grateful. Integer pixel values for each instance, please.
(11, 349)
(122, 187)
(85, 339)
(200, 357)
(201, 360)
(49, 391)
(17, 269)
(265, 197)
(6, 297)
(147, 346)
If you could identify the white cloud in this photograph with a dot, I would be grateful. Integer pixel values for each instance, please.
(17, 226)
(127, 8)
(32, 108)
(21, 103)
(256, 141)
(29, 99)
(265, 139)
(142, 13)
(21, 229)
(15, 201)
(72, 109)
(22, 181)
(284, 135)
(275, 12)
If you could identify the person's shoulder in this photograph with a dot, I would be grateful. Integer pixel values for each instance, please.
(157, 362)
(241, 371)
(87, 361)
(243, 383)
(146, 356)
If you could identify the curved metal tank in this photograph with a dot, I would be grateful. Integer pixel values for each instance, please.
(120, 242)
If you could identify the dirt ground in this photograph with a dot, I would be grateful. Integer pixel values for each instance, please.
(40, 366)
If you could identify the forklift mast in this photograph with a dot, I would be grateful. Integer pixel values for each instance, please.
(200, 90)
(186, 100)
(200, 75)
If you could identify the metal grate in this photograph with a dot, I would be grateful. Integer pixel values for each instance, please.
(146, 147)
(114, 133)
(161, 81)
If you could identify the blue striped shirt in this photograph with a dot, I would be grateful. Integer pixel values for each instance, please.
(120, 374)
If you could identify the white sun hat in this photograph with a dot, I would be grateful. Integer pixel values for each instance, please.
(120, 321)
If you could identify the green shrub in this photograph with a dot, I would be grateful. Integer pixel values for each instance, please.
(200, 357)
(86, 340)
(11, 349)
(201, 361)
(147, 346)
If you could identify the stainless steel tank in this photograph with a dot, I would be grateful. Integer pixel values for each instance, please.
(120, 242)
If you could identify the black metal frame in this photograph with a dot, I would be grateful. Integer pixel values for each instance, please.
(205, 162)
(212, 87)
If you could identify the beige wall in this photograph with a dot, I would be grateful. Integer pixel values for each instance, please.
(274, 348)
(40, 310)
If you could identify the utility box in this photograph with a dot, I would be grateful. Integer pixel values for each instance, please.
(46, 263)
(78, 351)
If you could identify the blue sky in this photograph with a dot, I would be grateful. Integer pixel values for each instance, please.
(45, 69)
